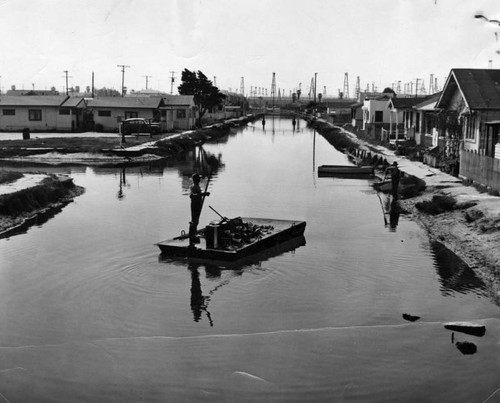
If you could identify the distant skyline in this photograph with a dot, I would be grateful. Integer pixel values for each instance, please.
(379, 41)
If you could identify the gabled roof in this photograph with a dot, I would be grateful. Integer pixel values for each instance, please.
(126, 102)
(480, 88)
(32, 100)
(429, 102)
(75, 102)
(405, 103)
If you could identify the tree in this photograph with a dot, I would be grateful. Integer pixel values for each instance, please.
(206, 96)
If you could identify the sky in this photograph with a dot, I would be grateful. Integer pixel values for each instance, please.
(235, 42)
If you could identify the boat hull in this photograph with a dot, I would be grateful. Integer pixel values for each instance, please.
(345, 170)
(283, 230)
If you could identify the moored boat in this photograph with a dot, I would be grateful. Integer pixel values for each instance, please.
(234, 239)
(345, 170)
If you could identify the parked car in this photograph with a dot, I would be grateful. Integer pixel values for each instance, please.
(140, 126)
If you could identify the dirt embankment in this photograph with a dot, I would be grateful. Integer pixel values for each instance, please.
(35, 204)
(464, 219)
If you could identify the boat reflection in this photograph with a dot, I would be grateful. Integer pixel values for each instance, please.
(199, 301)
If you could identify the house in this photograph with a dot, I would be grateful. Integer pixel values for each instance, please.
(426, 131)
(470, 117)
(357, 114)
(108, 111)
(375, 111)
(404, 116)
(179, 112)
(37, 113)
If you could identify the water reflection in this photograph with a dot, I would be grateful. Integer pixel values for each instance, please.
(390, 208)
(123, 183)
(455, 275)
(199, 302)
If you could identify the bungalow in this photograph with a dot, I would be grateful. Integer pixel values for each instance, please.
(108, 111)
(402, 114)
(375, 111)
(470, 117)
(37, 113)
(179, 112)
(426, 131)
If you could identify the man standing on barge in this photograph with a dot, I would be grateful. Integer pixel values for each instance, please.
(197, 197)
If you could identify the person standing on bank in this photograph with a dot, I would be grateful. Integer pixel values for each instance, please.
(395, 177)
(197, 197)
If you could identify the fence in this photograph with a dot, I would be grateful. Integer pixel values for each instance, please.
(480, 169)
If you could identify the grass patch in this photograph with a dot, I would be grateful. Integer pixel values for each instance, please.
(9, 176)
(49, 191)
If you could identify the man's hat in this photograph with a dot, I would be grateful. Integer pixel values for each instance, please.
(395, 163)
(196, 176)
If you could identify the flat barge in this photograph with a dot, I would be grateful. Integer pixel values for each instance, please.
(233, 239)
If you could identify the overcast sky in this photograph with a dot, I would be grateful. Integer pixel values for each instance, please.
(379, 41)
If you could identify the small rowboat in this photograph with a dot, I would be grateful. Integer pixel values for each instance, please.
(345, 170)
(231, 240)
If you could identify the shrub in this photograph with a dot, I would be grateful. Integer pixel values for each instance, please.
(439, 204)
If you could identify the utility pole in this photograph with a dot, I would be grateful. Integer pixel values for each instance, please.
(147, 77)
(123, 77)
(172, 79)
(315, 79)
(66, 74)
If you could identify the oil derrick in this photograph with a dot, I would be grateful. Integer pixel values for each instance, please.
(431, 85)
(358, 88)
(346, 86)
(273, 87)
(242, 86)
(423, 91)
(311, 88)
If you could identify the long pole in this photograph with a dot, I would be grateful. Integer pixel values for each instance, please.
(123, 77)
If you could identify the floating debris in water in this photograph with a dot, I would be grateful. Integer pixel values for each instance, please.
(466, 347)
(467, 328)
(410, 318)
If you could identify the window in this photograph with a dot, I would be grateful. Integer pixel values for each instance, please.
(379, 116)
(9, 112)
(35, 114)
(64, 111)
(104, 113)
(130, 114)
(470, 124)
(181, 114)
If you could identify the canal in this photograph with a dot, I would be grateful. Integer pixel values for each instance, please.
(89, 310)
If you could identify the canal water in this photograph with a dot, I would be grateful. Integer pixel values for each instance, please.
(90, 311)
